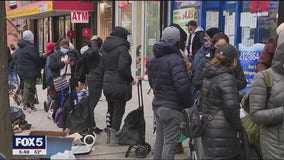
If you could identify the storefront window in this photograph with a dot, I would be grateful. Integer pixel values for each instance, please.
(185, 11)
(152, 31)
(61, 27)
(67, 24)
(258, 23)
(46, 35)
(126, 15)
(50, 29)
(40, 35)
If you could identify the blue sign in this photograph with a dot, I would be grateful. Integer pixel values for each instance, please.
(249, 57)
(29, 145)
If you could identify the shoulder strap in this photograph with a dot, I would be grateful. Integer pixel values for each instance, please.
(268, 79)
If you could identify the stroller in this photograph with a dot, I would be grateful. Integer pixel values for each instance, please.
(133, 130)
(13, 81)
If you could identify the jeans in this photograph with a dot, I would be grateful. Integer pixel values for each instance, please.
(94, 96)
(168, 132)
(116, 110)
(29, 91)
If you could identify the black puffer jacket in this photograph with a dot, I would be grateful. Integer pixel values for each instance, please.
(199, 74)
(92, 59)
(55, 63)
(168, 77)
(115, 68)
(27, 60)
(221, 116)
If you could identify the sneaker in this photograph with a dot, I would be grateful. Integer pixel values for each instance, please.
(97, 130)
(33, 109)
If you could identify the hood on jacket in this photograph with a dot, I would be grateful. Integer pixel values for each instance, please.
(163, 48)
(198, 29)
(211, 71)
(120, 32)
(112, 42)
(22, 43)
(278, 58)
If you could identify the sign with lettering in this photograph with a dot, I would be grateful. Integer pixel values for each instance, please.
(80, 17)
(249, 57)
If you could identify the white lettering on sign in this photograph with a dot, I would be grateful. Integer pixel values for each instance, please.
(80, 17)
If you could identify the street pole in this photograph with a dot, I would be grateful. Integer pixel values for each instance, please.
(280, 12)
(6, 126)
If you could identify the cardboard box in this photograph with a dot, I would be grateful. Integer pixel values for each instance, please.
(56, 141)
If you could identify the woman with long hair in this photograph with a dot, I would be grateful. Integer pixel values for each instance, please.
(220, 107)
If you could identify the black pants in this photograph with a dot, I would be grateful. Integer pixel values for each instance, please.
(95, 92)
(116, 110)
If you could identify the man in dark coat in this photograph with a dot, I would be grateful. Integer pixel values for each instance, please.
(170, 82)
(195, 38)
(29, 64)
(115, 69)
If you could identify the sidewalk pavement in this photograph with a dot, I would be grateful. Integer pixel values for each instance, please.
(101, 150)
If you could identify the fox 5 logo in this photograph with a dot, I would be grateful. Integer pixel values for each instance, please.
(29, 142)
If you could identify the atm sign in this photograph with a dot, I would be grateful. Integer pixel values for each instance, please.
(80, 17)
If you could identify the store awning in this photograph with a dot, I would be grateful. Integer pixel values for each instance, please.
(43, 9)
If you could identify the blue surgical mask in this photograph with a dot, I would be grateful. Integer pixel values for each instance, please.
(63, 50)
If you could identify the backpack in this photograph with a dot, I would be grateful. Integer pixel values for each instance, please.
(16, 114)
(251, 128)
(191, 125)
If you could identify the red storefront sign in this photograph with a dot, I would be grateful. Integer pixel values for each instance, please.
(256, 6)
(80, 17)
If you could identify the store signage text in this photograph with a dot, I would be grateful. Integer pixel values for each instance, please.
(30, 10)
(80, 17)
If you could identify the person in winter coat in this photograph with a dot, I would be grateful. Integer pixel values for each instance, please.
(115, 69)
(195, 38)
(169, 80)
(217, 40)
(47, 78)
(91, 58)
(29, 63)
(268, 51)
(205, 49)
(266, 106)
(61, 63)
(220, 106)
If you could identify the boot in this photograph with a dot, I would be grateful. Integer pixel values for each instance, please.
(113, 136)
(107, 130)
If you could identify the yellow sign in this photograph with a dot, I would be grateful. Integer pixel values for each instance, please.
(30, 10)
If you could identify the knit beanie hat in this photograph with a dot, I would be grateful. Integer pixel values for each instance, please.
(171, 34)
(28, 36)
(120, 32)
(212, 31)
(50, 47)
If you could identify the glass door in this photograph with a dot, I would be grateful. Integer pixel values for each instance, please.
(151, 29)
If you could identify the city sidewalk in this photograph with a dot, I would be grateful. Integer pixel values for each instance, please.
(101, 150)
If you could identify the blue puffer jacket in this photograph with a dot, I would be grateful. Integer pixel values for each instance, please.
(168, 77)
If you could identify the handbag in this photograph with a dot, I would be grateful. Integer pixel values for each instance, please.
(191, 125)
(60, 83)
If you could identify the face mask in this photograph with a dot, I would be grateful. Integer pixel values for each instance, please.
(63, 50)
